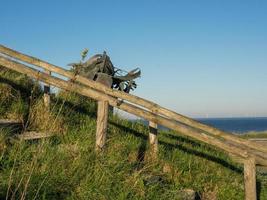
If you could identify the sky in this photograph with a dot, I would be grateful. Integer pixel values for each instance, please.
(198, 58)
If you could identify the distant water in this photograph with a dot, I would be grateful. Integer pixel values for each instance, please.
(237, 125)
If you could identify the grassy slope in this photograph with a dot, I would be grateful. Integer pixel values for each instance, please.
(66, 167)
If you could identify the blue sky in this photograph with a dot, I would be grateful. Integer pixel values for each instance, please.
(199, 58)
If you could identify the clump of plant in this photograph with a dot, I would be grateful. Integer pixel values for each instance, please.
(42, 118)
(17, 91)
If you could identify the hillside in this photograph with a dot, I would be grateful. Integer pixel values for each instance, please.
(65, 166)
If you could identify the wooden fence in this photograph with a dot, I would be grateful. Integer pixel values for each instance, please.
(248, 152)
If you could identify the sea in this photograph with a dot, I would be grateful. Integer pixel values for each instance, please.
(237, 125)
(234, 125)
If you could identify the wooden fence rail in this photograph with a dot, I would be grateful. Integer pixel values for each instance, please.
(155, 108)
(89, 92)
(250, 152)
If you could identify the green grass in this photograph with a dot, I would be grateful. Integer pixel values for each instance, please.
(17, 92)
(253, 134)
(66, 167)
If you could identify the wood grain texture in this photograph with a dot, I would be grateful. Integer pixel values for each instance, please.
(250, 179)
(32, 135)
(153, 139)
(102, 124)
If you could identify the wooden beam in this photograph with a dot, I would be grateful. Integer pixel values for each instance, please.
(14, 124)
(250, 179)
(86, 91)
(153, 139)
(9, 122)
(155, 108)
(31, 135)
(102, 123)
(262, 141)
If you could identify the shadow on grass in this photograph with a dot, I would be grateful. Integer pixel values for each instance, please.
(258, 187)
(24, 91)
(11, 127)
(70, 106)
(141, 152)
(171, 147)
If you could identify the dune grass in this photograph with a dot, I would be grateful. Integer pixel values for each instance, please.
(253, 134)
(66, 167)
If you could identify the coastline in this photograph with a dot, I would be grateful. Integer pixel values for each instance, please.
(247, 127)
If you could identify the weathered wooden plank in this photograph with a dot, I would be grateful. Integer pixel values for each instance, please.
(250, 179)
(31, 135)
(238, 159)
(102, 124)
(153, 139)
(262, 141)
(14, 124)
(155, 108)
(9, 121)
(86, 91)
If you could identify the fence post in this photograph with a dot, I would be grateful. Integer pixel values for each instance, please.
(47, 92)
(250, 179)
(102, 122)
(153, 139)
